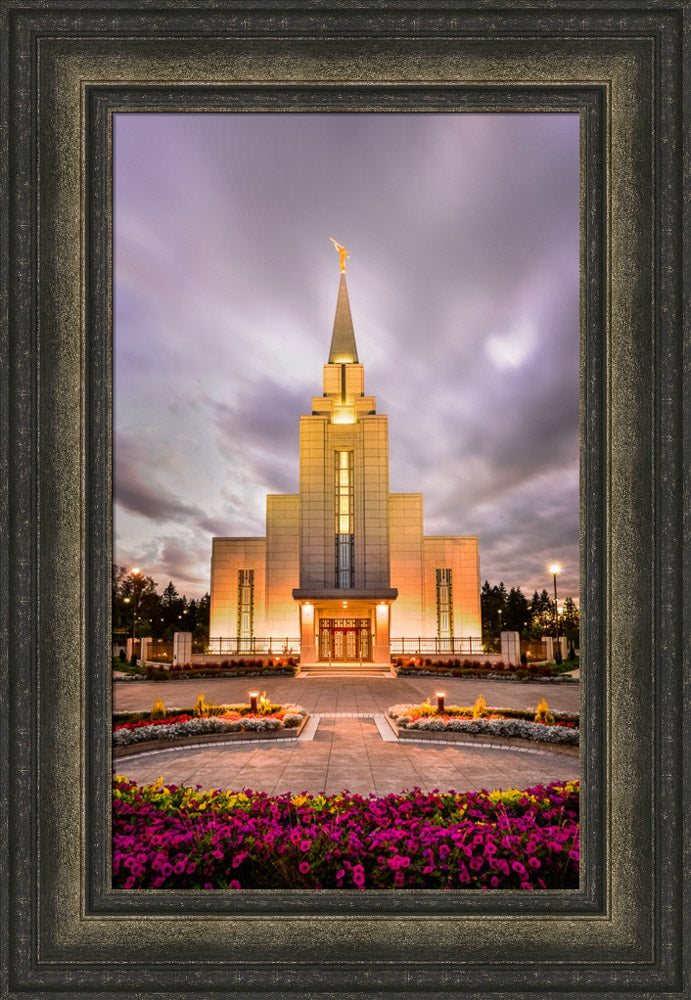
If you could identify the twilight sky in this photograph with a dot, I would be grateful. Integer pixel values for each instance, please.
(462, 231)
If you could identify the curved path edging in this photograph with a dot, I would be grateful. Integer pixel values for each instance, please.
(388, 730)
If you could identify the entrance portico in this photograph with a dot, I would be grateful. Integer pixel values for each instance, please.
(345, 626)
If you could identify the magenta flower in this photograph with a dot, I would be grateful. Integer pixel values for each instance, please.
(160, 839)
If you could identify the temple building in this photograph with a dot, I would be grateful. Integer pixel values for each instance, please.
(344, 571)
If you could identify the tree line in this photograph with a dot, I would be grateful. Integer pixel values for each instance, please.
(160, 615)
(511, 611)
(157, 615)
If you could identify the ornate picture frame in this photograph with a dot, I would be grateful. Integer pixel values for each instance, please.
(68, 67)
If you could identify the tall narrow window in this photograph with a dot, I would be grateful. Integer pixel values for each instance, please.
(343, 506)
(444, 604)
(245, 603)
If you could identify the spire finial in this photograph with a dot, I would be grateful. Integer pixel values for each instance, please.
(342, 251)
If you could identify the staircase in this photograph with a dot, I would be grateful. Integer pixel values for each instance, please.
(346, 670)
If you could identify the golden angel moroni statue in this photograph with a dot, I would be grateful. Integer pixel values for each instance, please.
(342, 251)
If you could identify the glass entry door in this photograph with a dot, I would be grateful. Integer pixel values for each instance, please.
(345, 640)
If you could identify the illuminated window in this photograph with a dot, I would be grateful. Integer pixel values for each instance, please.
(343, 507)
(245, 603)
(444, 604)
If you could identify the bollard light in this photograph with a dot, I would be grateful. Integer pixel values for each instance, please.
(440, 695)
(253, 701)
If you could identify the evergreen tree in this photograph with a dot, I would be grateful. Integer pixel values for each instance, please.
(542, 615)
(493, 602)
(517, 614)
(569, 621)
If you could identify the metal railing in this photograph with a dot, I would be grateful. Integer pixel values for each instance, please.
(253, 645)
(458, 646)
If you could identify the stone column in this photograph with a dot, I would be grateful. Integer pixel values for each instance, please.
(308, 649)
(549, 647)
(382, 646)
(182, 648)
(511, 647)
(144, 647)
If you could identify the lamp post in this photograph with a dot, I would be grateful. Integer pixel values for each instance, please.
(554, 569)
(135, 573)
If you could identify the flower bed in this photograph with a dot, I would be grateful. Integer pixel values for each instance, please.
(141, 727)
(541, 726)
(266, 666)
(414, 667)
(183, 838)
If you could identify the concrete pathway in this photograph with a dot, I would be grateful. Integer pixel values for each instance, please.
(350, 747)
(344, 694)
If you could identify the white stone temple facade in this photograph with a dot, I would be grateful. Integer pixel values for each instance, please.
(344, 568)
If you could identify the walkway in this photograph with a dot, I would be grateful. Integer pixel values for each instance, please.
(347, 744)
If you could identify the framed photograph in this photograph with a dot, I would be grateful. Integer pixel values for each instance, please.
(450, 376)
(70, 70)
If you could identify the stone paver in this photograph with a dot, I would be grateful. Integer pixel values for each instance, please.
(344, 694)
(348, 752)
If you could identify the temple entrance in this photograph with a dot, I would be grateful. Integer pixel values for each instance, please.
(345, 640)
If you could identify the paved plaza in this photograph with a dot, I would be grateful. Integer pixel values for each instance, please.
(347, 743)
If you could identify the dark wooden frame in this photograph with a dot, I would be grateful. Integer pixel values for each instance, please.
(66, 66)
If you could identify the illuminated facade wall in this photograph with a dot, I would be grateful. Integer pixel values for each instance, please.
(344, 554)
(228, 557)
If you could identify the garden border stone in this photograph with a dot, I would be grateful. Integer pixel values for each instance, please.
(497, 741)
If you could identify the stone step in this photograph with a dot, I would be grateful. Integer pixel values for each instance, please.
(346, 670)
(364, 675)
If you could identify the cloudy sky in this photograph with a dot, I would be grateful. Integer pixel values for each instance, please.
(462, 231)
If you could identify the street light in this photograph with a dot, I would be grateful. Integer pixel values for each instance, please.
(554, 569)
(135, 573)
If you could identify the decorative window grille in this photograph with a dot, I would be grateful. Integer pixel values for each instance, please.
(343, 509)
(246, 603)
(444, 604)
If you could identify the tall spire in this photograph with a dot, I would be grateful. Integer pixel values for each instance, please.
(343, 349)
